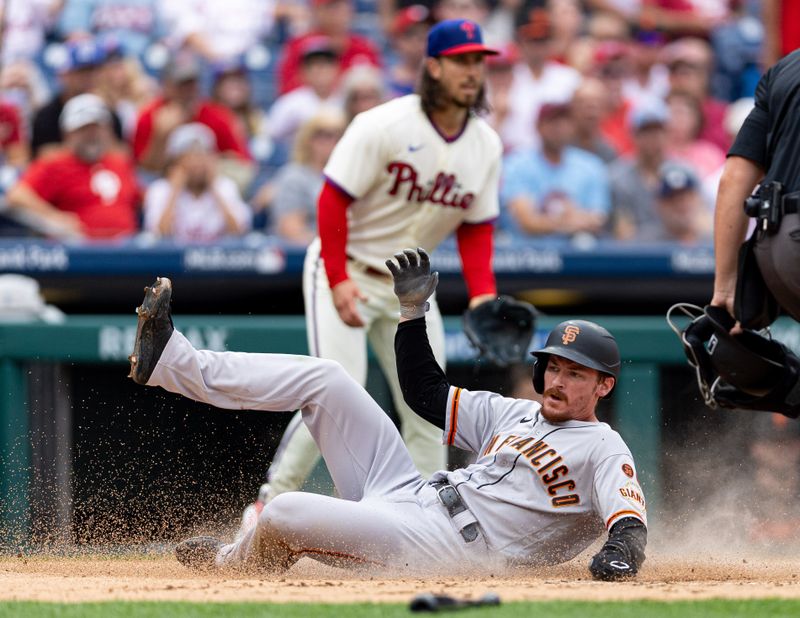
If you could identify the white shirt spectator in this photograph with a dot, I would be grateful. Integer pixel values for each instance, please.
(228, 28)
(527, 94)
(293, 109)
(24, 25)
(657, 87)
(629, 8)
(714, 10)
(198, 218)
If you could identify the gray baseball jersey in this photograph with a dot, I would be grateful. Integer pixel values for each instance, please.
(542, 492)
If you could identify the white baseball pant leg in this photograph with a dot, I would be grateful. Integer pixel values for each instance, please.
(397, 521)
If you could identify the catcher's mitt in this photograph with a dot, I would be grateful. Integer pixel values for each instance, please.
(501, 329)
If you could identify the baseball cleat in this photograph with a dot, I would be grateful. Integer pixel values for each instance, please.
(153, 331)
(199, 553)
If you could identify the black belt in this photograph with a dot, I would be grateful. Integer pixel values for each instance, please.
(451, 500)
(369, 270)
(791, 203)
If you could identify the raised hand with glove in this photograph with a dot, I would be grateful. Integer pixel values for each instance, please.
(501, 329)
(414, 283)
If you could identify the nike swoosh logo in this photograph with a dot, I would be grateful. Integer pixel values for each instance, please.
(526, 420)
(415, 148)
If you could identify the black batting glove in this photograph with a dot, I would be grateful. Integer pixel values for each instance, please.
(612, 564)
(413, 281)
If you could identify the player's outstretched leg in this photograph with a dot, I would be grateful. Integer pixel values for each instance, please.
(337, 410)
(361, 446)
(153, 330)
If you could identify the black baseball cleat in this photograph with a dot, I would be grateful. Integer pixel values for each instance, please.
(199, 552)
(153, 331)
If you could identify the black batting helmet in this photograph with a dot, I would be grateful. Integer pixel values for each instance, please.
(582, 342)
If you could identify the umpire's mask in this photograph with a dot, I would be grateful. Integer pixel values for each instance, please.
(745, 371)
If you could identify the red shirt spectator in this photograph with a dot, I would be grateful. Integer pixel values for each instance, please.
(104, 194)
(614, 128)
(11, 131)
(86, 189)
(782, 29)
(714, 123)
(690, 61)
(182, 103)
(216, 117)
(333, 18)
(790, 26)
(613, 67)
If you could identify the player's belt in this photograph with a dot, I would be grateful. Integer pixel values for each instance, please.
(457, 510)
(369, 270)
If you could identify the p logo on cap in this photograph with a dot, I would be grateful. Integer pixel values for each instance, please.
(469, 28)
(457, 36)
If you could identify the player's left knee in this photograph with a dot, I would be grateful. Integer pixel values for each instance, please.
(283, 513)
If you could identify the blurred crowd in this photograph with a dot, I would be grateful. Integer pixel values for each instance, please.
(199, 119)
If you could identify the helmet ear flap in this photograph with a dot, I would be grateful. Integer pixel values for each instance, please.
(539, 367)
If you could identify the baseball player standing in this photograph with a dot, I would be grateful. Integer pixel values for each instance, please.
(406, 173)
(548, 479)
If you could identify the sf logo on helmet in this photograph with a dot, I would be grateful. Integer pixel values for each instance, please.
(570, 334)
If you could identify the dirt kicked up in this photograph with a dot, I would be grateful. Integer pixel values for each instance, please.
(87, 578)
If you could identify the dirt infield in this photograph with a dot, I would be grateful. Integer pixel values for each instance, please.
(89, 578)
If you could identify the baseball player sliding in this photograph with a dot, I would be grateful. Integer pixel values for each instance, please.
(548, 479)
(406, 173)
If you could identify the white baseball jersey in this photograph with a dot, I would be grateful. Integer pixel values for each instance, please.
(542, 492)
(413, 187)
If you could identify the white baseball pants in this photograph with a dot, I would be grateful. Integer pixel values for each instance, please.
(387, 516)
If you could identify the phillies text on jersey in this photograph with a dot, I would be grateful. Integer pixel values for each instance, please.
(412, 186)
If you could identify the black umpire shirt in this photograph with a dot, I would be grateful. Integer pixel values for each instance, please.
(770, 134)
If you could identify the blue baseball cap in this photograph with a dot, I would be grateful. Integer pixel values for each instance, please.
(229, 66)
(676, 177)
(457, 36)
(648, 113)
(85, 54)
(111, 47)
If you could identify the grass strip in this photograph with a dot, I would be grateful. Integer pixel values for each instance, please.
(551, 609)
